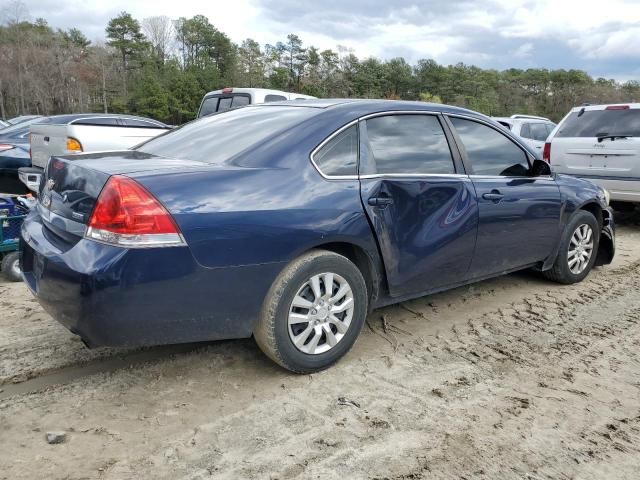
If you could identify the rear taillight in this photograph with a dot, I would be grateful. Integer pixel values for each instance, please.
(5, 146)
(73, 145)
(546, 152)
(127, 215)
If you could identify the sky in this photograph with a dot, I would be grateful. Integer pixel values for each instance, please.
(601, 37)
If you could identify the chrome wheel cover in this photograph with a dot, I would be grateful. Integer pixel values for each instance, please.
(15, 267)
(320, 313)
(580, 249)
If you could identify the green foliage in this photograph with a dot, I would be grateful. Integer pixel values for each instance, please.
(429, 97)
(125, 36)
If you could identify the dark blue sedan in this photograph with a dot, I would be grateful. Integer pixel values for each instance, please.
(291, 221)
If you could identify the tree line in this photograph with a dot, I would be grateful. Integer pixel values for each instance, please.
(161, 68)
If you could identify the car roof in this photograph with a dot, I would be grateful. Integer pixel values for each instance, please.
(513, 121)
(266, 91)
(367, 106)
(603, 106)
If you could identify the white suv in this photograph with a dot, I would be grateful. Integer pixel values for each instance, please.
(600, 143)
(533, 130)
(228, 98)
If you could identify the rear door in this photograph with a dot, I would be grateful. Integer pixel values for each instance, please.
(519, 215)
(419, 201)
(581, 147)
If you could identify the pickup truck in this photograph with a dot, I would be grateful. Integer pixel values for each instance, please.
(87, 133)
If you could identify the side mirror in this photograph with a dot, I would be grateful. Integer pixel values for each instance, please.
(540, 168)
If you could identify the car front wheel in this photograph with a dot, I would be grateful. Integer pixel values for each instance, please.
(313, 312)
(578, 249)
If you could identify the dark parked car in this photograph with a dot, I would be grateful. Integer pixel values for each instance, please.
(14, 154)
(291, 221)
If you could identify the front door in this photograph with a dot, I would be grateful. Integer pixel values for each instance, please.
(519, 214)
(421, 205)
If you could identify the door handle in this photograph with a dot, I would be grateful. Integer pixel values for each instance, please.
(380, 202)
(495, 196)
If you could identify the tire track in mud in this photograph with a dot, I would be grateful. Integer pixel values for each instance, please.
(60, 376)
(486, 399)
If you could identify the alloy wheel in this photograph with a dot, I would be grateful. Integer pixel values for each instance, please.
(320, 313)
(580, 249)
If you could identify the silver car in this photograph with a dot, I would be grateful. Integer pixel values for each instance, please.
(533, 130)
(85, 133)
(600, 143)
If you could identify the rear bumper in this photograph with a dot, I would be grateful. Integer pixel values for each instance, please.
(112, 296)
(620, 189)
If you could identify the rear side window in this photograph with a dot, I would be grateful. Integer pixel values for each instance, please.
(538, 131)
(134, 122)
(274, 98)
(217, 138)
(594, 123)
(108, 121)
(408, 144)
(490, 152)
(339, 156)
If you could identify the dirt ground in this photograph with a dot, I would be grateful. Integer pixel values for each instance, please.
(511, 378)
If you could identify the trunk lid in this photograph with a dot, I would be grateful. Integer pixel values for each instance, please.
(71, 185)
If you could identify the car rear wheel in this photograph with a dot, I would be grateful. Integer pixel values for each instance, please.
(578, 249)
(313, 312)
(11, 267)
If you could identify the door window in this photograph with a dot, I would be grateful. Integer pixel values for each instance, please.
(412, 144)
(489, 151)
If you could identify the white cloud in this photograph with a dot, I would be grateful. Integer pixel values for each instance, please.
(587, 34)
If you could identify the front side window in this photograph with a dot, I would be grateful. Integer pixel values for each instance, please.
(411, 144)
(489, 151)
(339, 156)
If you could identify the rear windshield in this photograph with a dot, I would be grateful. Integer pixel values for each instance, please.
(216, 138)
(595, 123)
(220, 103)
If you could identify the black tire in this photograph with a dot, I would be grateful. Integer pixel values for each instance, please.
(560, 271)
(272, 330)
(10, 262)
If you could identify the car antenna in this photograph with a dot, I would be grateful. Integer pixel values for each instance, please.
(581, 112)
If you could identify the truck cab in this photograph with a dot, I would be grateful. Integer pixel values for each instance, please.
(228, 98)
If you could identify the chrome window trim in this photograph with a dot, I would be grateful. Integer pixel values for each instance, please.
(414, 175)
(355, 122)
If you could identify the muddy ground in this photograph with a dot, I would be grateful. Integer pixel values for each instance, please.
(511, 378)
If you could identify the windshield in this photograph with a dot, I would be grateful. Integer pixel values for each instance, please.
(597, 123)
(218, 137)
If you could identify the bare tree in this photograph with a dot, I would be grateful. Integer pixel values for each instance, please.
(14, 12)
(160, 33)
